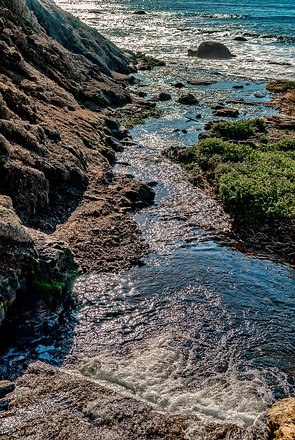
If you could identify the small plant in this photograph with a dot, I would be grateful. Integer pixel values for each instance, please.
(281, 86)
(238, 130)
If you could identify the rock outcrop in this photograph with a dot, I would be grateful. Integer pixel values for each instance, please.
(188, 99)
(59, 198)
(280, 423)
(212, 50)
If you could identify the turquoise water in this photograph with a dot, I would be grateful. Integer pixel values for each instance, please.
(170, 28)
(265, 18)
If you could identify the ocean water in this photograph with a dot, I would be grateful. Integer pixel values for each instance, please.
(170, 28)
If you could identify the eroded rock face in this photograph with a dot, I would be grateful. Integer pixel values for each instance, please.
(281, 420)
(35, 275)
(16, 247)
(212, 50)
(57, 189)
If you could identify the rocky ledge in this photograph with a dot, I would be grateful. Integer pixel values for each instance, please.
(61, 206)
(281, 420)
(50, 403)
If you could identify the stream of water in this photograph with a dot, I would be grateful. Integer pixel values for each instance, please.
(201, 328)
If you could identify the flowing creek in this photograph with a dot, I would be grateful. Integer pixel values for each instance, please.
(201, 328)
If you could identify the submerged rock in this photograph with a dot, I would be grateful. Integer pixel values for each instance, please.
(188, 99)
(179, 85)
(227, 112)
(164, 97)
(240, 38)
(213, 50)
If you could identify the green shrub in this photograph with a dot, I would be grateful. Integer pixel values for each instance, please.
(281, 86)
(284, 145)
(238, 130)
(260, 189)
(211, 152)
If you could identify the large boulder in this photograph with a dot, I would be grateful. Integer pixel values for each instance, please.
(213, 50)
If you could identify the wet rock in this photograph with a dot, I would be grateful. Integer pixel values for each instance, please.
(142, 94)
(198, 116)
(139, 12)
(179, 85)
(227, 112)
(6, 387)
(239, 86)
(188, 99)
(4, 405)
(201, 83)
(133, 80)
(192, 53)
(280, 424)
(280, 63)
(74, 404)
(164, 97)
(213, 50)
(240, 39)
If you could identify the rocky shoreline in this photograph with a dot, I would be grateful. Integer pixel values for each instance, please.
(270, 234)
(58, 144)
(63, 211)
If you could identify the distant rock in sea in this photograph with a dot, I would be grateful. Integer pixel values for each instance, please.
(211, 50)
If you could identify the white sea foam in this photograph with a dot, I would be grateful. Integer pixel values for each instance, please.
(154, 374)
(169, 34)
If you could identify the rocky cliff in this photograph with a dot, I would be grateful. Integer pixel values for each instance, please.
(59, 198)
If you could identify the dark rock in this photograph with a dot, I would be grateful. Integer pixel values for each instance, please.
(133, 80)
(240, 39)
(201, 83)
(164, 97)
(208, 125)
(240, 86)
(188, 99)
(152, 184)
(142, 94)
(280, 63)
(204, 135)
(192, 53)
(227, 112)
(179, 85)
(213, 50)
(198, 116)
(139, 13)
(4, 405)
(6, 387)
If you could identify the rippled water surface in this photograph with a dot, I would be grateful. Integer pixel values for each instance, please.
(170, 28)
(201, 328)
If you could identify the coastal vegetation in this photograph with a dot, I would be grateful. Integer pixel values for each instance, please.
(254, 178)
